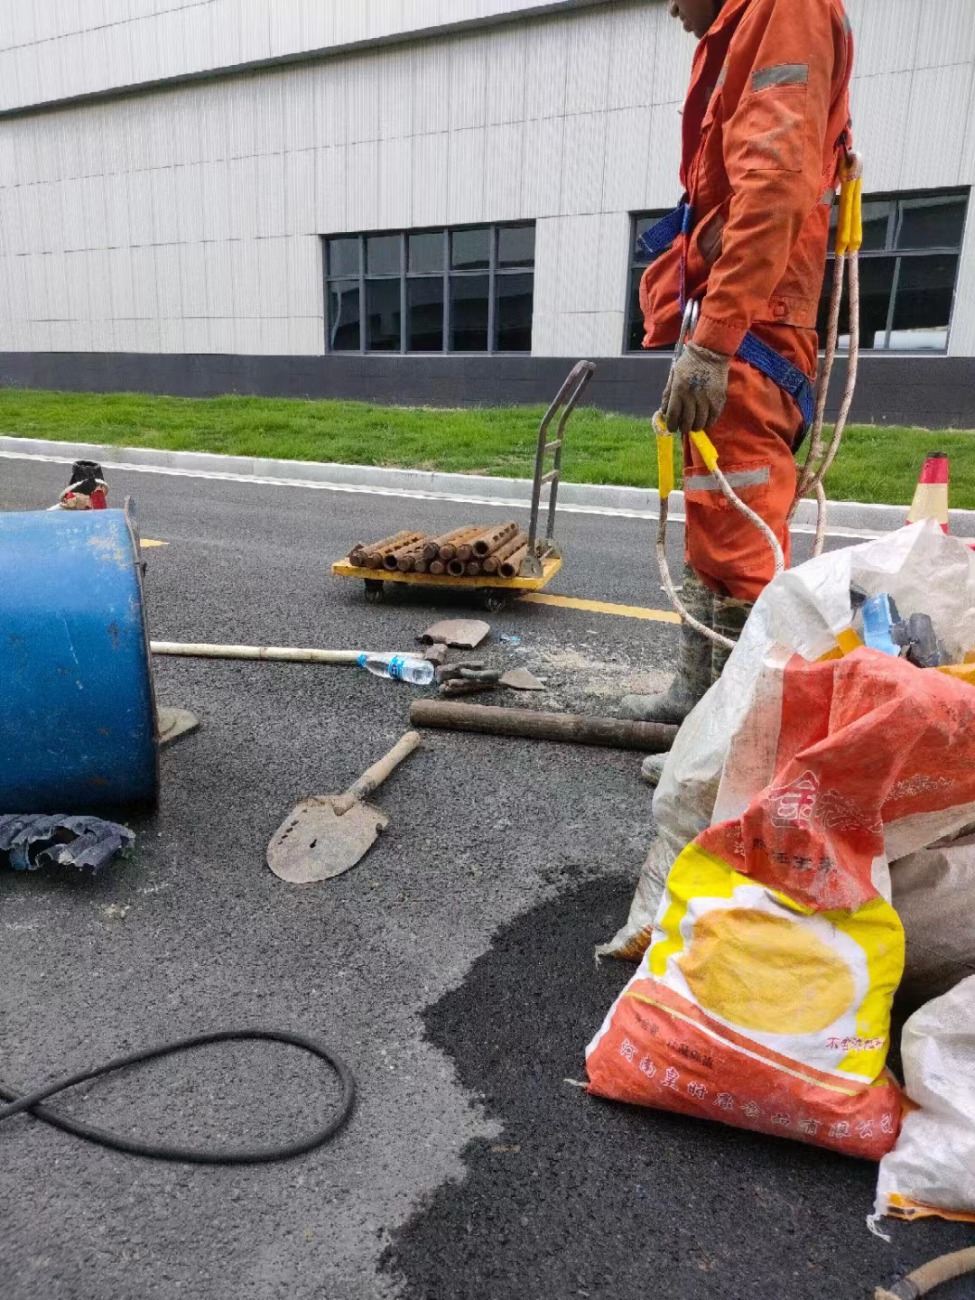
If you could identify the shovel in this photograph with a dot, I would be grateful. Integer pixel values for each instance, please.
(327, 834)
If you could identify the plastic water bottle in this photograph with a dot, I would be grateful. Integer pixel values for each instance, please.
(401, 668)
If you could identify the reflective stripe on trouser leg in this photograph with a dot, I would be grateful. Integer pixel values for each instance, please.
(754, 437)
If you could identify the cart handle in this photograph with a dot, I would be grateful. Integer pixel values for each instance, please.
(576, 383)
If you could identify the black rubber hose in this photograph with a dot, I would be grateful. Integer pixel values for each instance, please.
(257, 1156)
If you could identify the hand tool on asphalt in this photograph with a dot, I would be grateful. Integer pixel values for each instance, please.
(822, 450)
(327, 834)
(566, 728)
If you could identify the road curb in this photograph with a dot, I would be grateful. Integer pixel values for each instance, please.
(853, 516)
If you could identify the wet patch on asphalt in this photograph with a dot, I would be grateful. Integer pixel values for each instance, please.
(580, 1197)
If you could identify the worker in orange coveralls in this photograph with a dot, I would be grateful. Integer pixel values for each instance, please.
(766, 130)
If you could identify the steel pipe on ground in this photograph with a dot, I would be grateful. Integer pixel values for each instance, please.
(567, 728)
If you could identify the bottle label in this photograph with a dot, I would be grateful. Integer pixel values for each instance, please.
(396, 665)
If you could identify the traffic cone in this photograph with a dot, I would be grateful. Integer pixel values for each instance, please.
(931, 495)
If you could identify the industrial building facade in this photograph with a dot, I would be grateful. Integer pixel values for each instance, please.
(424, 200)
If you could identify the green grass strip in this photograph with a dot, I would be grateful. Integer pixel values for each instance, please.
(876, 463)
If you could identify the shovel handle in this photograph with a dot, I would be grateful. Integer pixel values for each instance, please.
(373, 777)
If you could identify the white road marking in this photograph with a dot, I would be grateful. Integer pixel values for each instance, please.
(445, 498)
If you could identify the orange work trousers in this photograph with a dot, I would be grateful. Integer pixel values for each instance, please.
(754, 437)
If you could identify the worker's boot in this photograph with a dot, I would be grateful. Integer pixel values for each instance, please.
(693, 676)
(730, 617)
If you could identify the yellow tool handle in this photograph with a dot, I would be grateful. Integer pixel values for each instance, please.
(707, 449)
(665, 456)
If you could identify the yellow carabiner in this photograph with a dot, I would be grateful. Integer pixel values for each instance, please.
(665, 457)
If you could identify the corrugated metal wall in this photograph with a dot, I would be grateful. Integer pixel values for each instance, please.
(52, 49)
(188, 220)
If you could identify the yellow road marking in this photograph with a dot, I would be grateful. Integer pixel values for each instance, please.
(602, 607)
(147, 541)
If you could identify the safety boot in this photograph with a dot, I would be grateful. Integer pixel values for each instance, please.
(693, 675)
(729, 617)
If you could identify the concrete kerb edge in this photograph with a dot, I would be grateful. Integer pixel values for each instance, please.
(870, 516)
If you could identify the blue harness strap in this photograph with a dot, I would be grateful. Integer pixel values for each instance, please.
(660, 236)
(753, 351)
(789, 378)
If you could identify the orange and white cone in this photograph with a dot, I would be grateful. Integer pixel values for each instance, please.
(931, 495)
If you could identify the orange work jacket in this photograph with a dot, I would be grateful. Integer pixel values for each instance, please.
(765, 127)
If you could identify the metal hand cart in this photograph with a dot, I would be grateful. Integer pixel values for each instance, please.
(544, 559)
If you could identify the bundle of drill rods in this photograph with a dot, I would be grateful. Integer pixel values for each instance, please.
(495, 550)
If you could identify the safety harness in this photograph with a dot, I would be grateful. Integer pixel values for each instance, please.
(678, 225)
(812, 404)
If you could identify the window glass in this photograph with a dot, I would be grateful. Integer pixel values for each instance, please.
(931, 221)
(343, 256)
(637, 329)
(383, 315)
(426, 252)
(424, 298)
(469, 313)
(470, 250)
(516, 246)
(431, 290)
(382, 255)
(922, 308)
(343, 316)
(514, 312)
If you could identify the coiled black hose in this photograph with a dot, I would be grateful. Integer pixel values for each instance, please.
(30, 1102)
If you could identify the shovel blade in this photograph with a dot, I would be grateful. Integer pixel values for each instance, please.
(314, 844)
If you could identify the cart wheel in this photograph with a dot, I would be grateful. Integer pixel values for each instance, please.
(375, 591)
(494, 601)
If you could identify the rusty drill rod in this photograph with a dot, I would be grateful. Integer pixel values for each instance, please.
(568, 728)
(493, 562)
(361, 549)
(438, 568)
(456, 568)
(473, 568)
(449, 551)
(406, 560)
(431, 550)
(375, 555)
(512, 565)
(392, 557)
(489, 542)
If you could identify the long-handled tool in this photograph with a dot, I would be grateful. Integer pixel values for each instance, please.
(327, 834)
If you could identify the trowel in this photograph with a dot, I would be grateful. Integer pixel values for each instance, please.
(329, 833)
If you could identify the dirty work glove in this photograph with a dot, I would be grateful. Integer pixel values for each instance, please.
(697, 390)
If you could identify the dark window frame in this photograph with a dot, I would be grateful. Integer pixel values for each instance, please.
(494, 271)
(896, 200)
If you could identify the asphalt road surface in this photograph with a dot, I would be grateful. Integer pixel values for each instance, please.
(452, 969)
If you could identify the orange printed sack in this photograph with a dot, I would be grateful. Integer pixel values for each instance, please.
(764, 997)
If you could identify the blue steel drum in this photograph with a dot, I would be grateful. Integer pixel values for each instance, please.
(77, 710)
